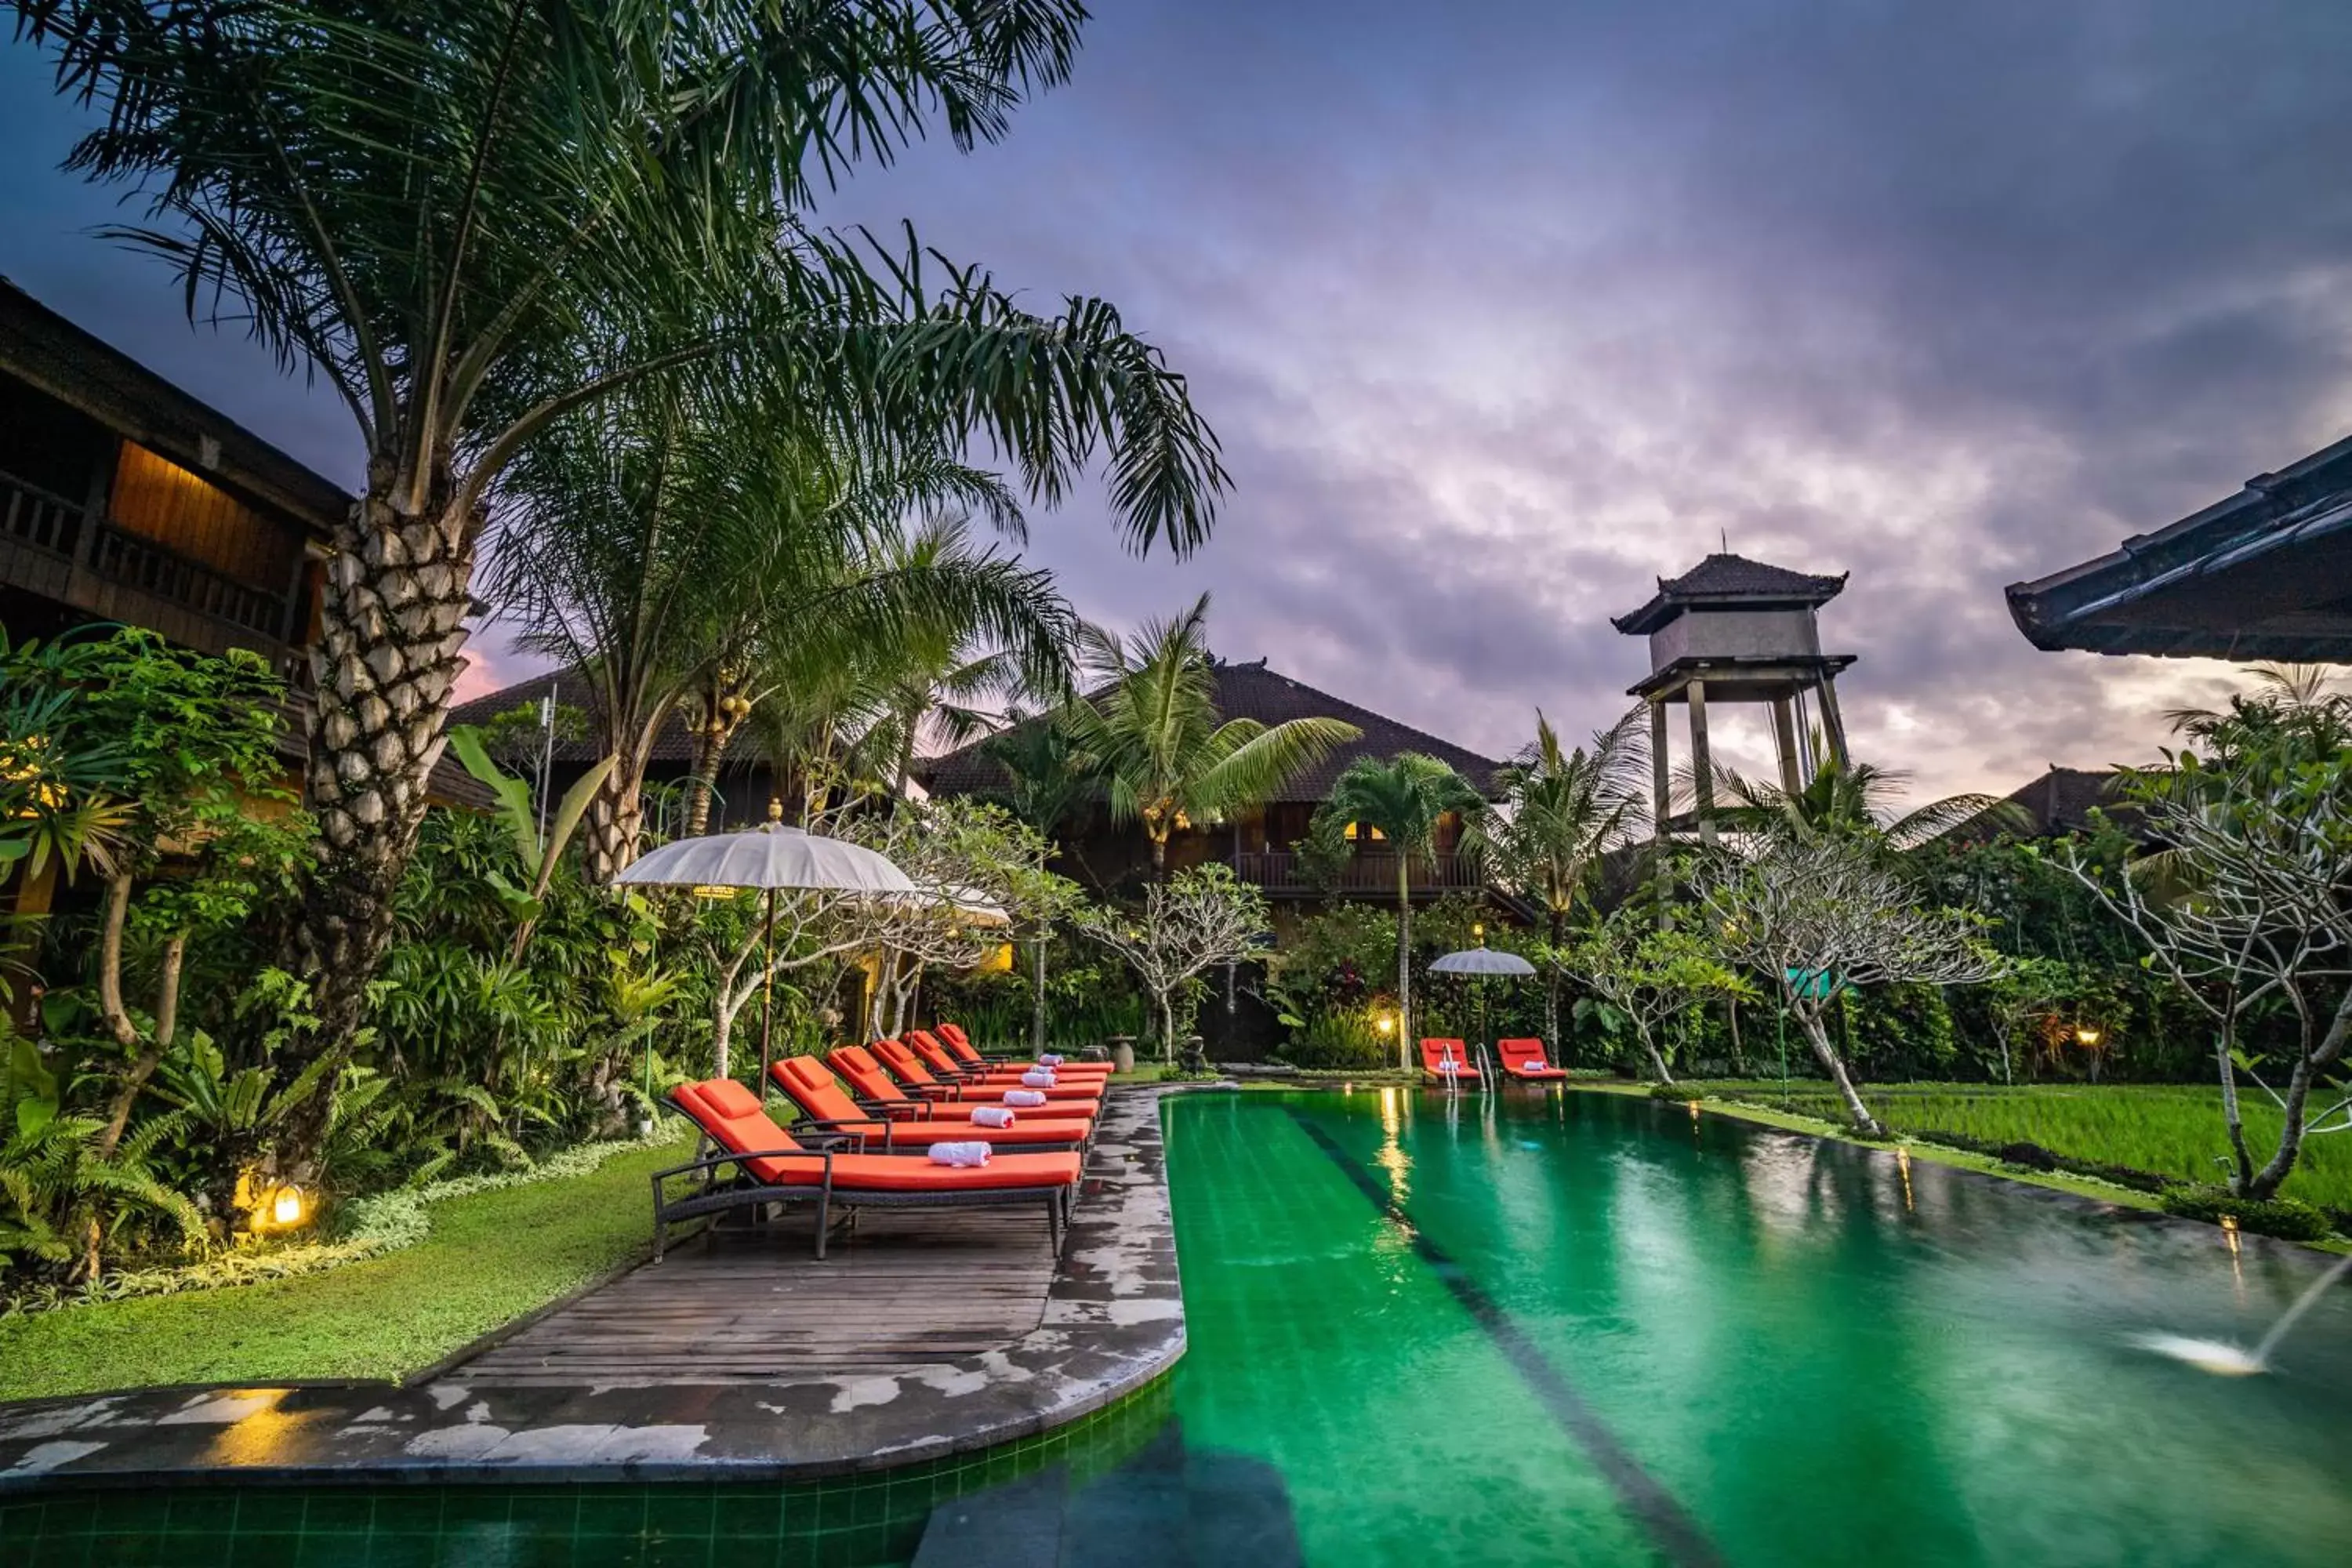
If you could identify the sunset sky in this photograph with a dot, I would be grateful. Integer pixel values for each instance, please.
(1502, 310)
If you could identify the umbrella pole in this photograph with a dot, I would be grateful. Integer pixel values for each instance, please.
(767, 991)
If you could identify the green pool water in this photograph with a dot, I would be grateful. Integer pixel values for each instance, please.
(1587, 1329)
(1579, 1328)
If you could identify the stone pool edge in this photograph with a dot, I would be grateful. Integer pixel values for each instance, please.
(1113, 1323)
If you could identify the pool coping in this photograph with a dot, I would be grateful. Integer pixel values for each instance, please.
(1113, 1323)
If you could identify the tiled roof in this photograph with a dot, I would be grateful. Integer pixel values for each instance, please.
(1254, 691)
(1726, 579)
(2256, 576)
(674, 744)
(2058, 803)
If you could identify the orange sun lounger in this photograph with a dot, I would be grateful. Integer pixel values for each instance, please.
(772, 1166)
(961, 1050)
(911, 1070)
(829, 1108)
(874, 1086)
(944, 1061)
(1526, 1060)
(1446, 1060)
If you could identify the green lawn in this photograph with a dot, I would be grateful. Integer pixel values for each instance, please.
(2170, 1130)
(490, 1258)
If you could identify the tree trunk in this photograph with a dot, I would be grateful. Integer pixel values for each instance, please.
(1809, 1019)
(1167, 1027)
(1037, 1003)
(1551, 986)
(2232, 1118)
(615, 821)
(110, 964)
(1657, 1057)
(702, 782)
(2266, 1181)
(1405, 963)
(167, 1025)
(392, 630)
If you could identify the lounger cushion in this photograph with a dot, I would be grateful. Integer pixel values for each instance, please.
(731, 1114)
(853, 1173)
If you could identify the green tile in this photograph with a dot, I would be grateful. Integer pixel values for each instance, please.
(408, 1512)
(758, 1516)
(545, 1512)
(339, 1510)
(201, 1514)
(475, 1505)
(332, 1548)
(266, 1511)
(677, 1513)
(272, 1551)
(402, 1551)
(611, 1511)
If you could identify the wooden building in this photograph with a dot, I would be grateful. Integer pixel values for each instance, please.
(1257, 843)
(124, 500)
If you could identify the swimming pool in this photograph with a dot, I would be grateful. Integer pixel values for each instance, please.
(1587, 1328)
(1523, 1330)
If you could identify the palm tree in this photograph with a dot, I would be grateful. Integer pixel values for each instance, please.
(1849, 798)
(1043, 782)
(1405, 797)
(1153, 736)
(1560, 813)
(661, 546)
(473, 219)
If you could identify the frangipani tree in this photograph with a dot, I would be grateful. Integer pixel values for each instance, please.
(2250, 905)
(1202, 917)
(473, 219)
(1648, 976)
(1821, 912)
(986, 883)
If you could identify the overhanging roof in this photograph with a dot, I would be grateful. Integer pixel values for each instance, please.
(2263, 574)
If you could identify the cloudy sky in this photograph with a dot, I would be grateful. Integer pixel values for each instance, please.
(1502, 310)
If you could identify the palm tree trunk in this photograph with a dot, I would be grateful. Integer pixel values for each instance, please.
(616, 822)
(391, 629)
(1404, 962)
(1037, 1003)
(698, 784)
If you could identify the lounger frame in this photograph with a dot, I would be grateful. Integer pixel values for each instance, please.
(714, 1196)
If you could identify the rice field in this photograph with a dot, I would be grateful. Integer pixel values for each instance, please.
(2170, 1129)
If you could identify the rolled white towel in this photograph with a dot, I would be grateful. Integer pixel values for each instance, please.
(1038, 1078)
(1532, 1067)
(960, 1154)
(991, 1116)
(1049, 1060)
(1028, 1096)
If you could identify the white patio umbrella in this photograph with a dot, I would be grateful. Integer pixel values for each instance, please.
(770, 859)
(1480, 962)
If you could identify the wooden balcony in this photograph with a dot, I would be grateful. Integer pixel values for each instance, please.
(1369, 873)
(51, 545)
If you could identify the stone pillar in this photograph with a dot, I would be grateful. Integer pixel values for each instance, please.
(1784, 741)
(1832, 722)
(1702, 762)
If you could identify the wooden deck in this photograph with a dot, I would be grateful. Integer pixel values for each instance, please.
(906, 1289)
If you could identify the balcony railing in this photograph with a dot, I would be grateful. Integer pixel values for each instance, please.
(143, 563)
(31, 515)
(54, 526)
(1367, 871)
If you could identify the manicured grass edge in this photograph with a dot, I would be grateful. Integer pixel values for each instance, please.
(1929, 1151)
